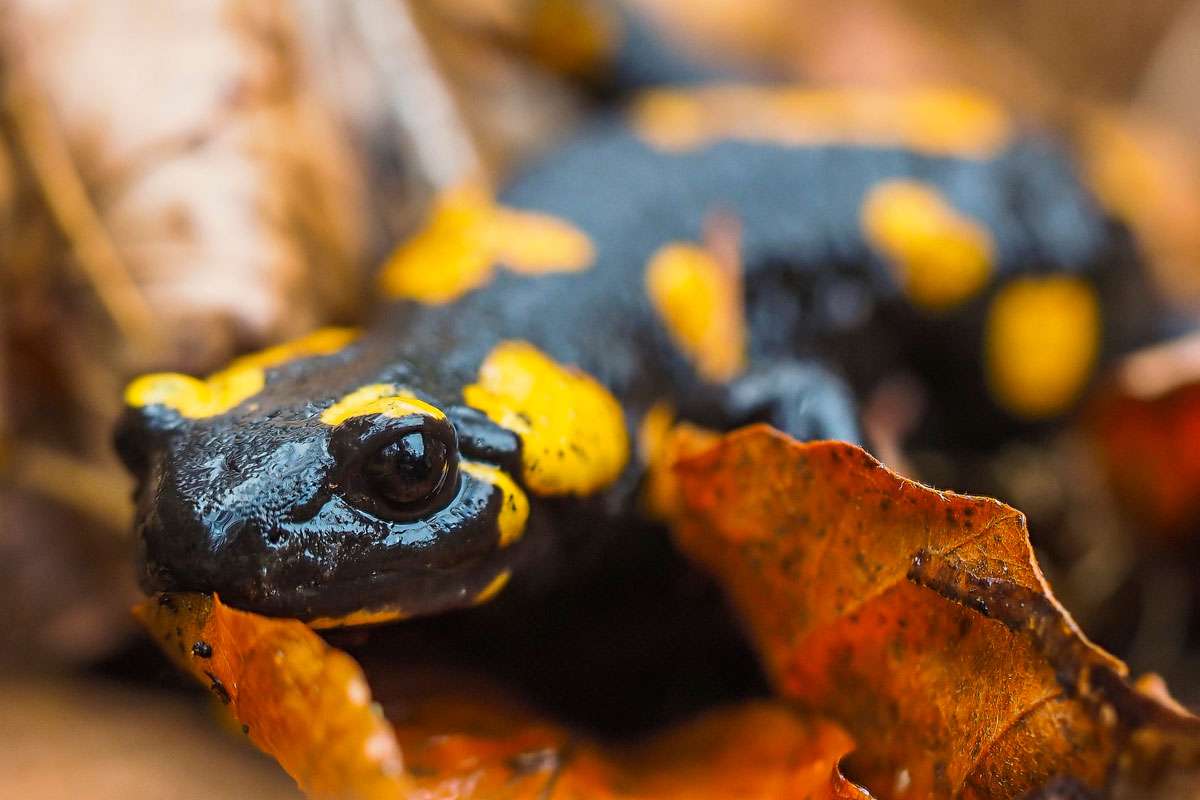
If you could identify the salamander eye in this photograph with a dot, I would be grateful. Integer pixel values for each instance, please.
(408, 472)
(398, 469)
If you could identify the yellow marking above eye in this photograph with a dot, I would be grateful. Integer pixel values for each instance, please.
(1042, 338)
(387, 399)
(514, 509)
(700, 302)
(572, 429)
(941, 256)
(493, 588)
(468, 236)
(931, 121)
(362, 617)
(196, 398)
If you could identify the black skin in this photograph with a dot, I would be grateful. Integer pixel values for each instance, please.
(284, 515)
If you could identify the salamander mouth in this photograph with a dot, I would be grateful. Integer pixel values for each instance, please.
(418, 589)
(349, 601)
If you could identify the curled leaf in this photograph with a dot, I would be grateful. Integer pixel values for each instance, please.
(917, 619)
(308, 705)
(301, 701)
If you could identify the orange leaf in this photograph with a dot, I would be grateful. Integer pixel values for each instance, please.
(308, 705)
(305, 703)
(916, 618)
(464, 741)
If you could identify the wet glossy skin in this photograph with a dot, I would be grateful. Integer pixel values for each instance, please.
(287, 508)
(277, 510)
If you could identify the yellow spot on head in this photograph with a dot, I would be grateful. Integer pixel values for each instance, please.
(363, 617)
(942, 257)
(572, 429)
(700, 301)
(242, 379)
(493, 588)
(931, 121)
(468, 236)
(1042, 338)
(378, 398)
(514, 510)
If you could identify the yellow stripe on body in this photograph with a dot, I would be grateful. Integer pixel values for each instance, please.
(196, 398)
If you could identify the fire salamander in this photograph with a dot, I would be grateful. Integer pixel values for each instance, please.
(718, 255)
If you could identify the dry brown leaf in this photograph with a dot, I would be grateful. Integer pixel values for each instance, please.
(185, 160)
(172, 190)
(918, 619)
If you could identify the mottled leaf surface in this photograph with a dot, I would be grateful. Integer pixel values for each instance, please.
(918, 619)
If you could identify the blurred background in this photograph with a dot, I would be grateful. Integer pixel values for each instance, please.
(183, 182)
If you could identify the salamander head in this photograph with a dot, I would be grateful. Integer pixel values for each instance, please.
(295, 483)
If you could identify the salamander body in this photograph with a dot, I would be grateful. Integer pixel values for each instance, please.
(718, 256)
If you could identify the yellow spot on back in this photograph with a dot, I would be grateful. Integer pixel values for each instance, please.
(572, 429)
(700, 301)
(362, 617)
(245, 377)
(468, 236)
(514, 511)
(941, 257)
(1042, 338)
(931, 121)
(493, 588)
(378, 398)
(532, 243)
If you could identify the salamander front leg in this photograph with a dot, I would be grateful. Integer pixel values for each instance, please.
(801, 398)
